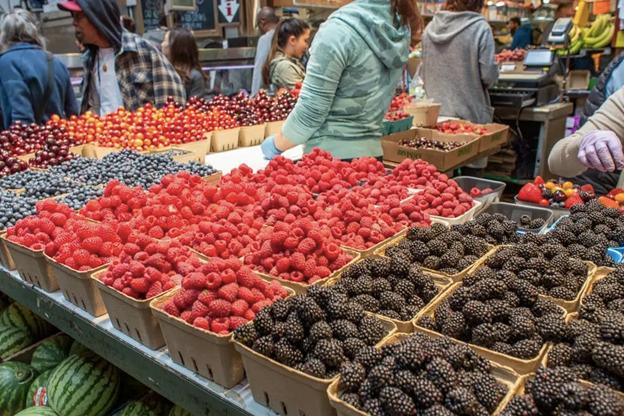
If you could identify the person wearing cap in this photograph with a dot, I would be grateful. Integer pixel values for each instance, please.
(121, 68)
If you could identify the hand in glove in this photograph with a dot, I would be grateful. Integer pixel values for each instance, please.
(268, 148)
(601, 150)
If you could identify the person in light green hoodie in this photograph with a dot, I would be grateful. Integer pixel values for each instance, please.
(356, 61)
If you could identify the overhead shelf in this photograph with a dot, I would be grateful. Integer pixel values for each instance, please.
(154, 368)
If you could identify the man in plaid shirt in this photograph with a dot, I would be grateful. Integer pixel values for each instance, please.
(121, 68)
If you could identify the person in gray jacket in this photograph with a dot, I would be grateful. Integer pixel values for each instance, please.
(267, 21)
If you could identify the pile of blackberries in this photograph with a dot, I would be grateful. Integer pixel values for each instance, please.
(494, 228)
(499, 311)
(438, 248)
(315, 333)
(420, 376)
(557, 392)
(390, 287)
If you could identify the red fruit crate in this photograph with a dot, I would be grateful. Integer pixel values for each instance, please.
(78, 287)
(6, 260)
(131, 316)
(32, 265)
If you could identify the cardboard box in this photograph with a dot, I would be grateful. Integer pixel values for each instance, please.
(443, 161)
(578, 79)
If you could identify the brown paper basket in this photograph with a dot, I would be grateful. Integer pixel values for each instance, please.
(273, 128)
(78, 287)
(214, 178)
(599, 274)
(517, 364)
(504, 375)
(6, 260)
(204, 352)
(131, 316)
(251, 135)
(32, 266)
(286, 390)
(301, 288)
(223, 140)
(199, 148)
(425, 115)
(371, 251)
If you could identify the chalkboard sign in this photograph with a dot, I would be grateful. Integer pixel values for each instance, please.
(149, 14)
(202, 21)
(230, 12)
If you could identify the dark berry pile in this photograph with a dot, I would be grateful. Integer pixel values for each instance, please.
(79, 197)
(557, 392)
(495, 229)
(593, 345)
(13, 208)
(527, 223)
(589, 231)
(547, 267)
(388, 287)
(438, 248)
(421, 376)
(315, 333)
(499, 311)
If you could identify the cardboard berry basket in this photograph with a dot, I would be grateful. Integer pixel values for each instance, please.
(273, 127)
(131, 316)
(204, 352)
(503, 375)
(32, 266)
(185, 157)
(288, 391)
(199, 148)
(6, 260)
(599, 274)
(425, 115)
(214, 178)
(301, 288)
(462, 219)
(519, 365)
(223, 140)
(251, 135)
(407, 327)
(371, 251)
(78, 287)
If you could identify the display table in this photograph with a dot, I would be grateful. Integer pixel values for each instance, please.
(155, 369)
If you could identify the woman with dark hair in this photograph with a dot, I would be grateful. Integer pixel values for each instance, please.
(459, 65)
(356, 61)
(180, 48)
(283, 68)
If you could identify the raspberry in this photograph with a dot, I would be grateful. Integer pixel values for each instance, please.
(131, 249)
(256, 307)
(155, 289)
(236, 321)
(220, 325)
(322, 272)
(228, 276)
(291, 243)
(229, 292)
(283, 265)
(219, 308)
(58, 219)
(201, 322)
(197, 280)
(307, 246)
(245, 277)
(82, 257)
(199, 309)
(213, 281)
(239, 307)
(92, 244)
(137, 269)
(207, 296)
(246, 294)
(298, 261)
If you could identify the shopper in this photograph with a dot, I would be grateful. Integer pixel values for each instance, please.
(180, 47)
(121, 68)
(522, 34)
(34, 85)
(283, 68)
(357, 59)
(563, 10)
(267, 21)
(596, 145)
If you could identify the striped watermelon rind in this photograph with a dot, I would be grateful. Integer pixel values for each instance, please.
(41, 381)
(13, 340)
(15, 380)
(83, 384)
(78, 348)
(149, 405)
(178, 411)
(19, 316)
(51, 352)
(38, 411)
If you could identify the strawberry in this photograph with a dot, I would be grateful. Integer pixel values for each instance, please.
(573, 200)
(539, 181)
(587, 188)
(530, 193)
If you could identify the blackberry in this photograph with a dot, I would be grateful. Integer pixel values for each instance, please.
(429, 292)
(263, 322)
(573, 396)
(432, 263)
(476, 313)
(395, 402)
(369, 357)
(454, 326)
(545, 385)
(379, 377)
(460, 297)
(391, 300)
(426, 394)
(526, 349)
(461, 401)
(450, 259)
(351, 346)
(367, 302)
(409, 312)
(419, 251)
(536, 223)
(583, 347)
(489, 391)
(419, 233)
(309, 312)
(246, 334)
(609, 357)
(286, 353)
(330, 352)
(552, 279)
(441, 374)
(612, 328)
(608, 292)
(355, 271)
(437, 410)
(427, 322)
(351, 399)
(405, 380)
(314, 367)
(381, 285)
(606, 378)
(437, 247)
(526, 292)
(371, 330)
(400, 263)
(351, 377)
(451, 271)
(500, 309)
(502, 332)
(502, 347)
(381, 267)
(416, 301)
(458, 247)
(495, 229)
(354, 312)
(373, 407)
(561, 292)
(389, 313)
(489, 289)
(560, 355)
(521, 406)
(363, 285)
(321, 330)
(577, 267)
(515, 264)
(604, 402)
(343, 329)
(512, 299)
(522, 324)
(484, 335)
(293, 330)
(551, 327)
(280, 309)
(404, 288)
(546, 306)
(506, 277)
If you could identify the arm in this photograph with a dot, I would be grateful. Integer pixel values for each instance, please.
(327, 62)
(167, 82)
(18, 91)
(262, 53)
(487, 62)
(564, 160)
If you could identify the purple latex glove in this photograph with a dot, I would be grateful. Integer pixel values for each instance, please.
(601, 150)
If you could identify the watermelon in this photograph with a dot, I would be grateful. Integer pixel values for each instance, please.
(15, 380)
(78, 348)
(41, 381)
(21, 317)
(38, 411)
(83, 384)
(51, 352)
(178, 411)
(12, 340)
(4, 303)
(149, 405)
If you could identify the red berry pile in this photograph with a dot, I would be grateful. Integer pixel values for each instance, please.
(407, 212)
(452, 127)
(298, 252)
(221, 295)
(287, 203)
(118, 203)
(147, 267)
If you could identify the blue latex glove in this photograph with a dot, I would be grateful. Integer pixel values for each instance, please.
(601, 150)
(268, 148)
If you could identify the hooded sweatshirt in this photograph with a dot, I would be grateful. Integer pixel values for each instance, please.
(355, 63)
(459, 65)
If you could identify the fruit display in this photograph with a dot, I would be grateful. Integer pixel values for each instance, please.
(15, 379)
(424, 143)
(496, 229)
(389, 287)
(452, 127)
(222, 295)
(598, 35)
(151, 404)
(19, 317)
(421, 375)
(14, 207)
(315, 333)
(555, 194)
(399, 102)
(437, 248)
(396, 116)
(557, 391)
(591, 346)
(406, 213)
(50, 353)
(506, 55)
(54, 152)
